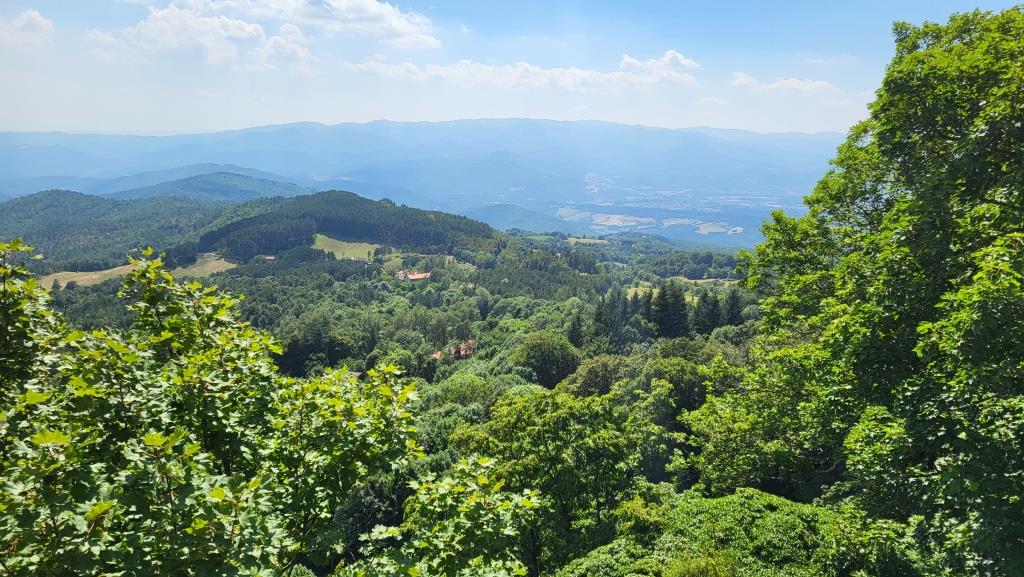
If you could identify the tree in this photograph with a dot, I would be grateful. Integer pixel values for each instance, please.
(669, 310)
(707, 315)
(892, 351)
(458, 525)
(549, 355)
(732, 308)
(174, 447)
(580, 452)
(574, 332)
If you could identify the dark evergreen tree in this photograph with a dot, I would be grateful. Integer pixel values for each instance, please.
(707, 315)
(732, 308)
(669, 311)
(575, 331)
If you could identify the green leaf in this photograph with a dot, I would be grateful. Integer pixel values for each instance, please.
(154, 439)
(48, 437)
(98, 509)
(35, 397)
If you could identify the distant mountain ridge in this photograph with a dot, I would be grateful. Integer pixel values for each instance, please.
(216, 186)
(110, 186)
(698, 184)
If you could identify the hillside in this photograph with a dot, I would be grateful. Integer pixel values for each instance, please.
(80, 232)
(77, 231)
(347, 216)
(213, 187)
(594, 176)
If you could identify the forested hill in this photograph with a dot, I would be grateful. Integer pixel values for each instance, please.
(80, 232)
(347, 216)
(83, 232)
(217, 186)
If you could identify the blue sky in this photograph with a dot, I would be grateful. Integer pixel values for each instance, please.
(199, 65)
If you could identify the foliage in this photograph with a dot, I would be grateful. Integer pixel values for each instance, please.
(581, 453)
(747, 534)
(549, 355)
(461, 524)
(79, 232)
(889, 370)
(174, 446)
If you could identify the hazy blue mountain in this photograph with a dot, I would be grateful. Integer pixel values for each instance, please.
(504, 216)
(699, 184)
(217, 186)
(105, 186)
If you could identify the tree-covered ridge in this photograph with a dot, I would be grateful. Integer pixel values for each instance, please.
(83, 232)
(347, 216)
(215, 187)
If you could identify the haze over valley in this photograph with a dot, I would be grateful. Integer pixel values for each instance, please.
(702, 185)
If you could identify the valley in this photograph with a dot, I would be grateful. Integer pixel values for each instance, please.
(703, 186)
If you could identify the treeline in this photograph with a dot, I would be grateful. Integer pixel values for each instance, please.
(346, 216)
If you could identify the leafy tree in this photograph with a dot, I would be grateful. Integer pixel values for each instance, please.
(890, 364)
(549, 355)
(459, 525)
(174, 447)
(579, 452)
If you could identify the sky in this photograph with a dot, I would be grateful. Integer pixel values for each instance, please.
(171, 66)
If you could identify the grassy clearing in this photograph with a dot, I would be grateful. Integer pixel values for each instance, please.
(343, 249)
(576, 240)
(205, 265)
(85, 278)
(725, 281)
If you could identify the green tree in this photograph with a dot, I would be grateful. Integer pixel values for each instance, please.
(707, 314)
(669, 310)
(892, 349)
(549, 355)
(174, 447)
(581, 453)
(458, 525)
(732, 308)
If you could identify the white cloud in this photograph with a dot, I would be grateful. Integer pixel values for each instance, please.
(797, 85)
(468, 73)
(28, 29)
(95, 36)
(402, 29)
(670, 60)
(742, 79)
(289, 46)
(108, 47)
(173, 27)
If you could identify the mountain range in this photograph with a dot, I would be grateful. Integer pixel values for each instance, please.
(700, 184)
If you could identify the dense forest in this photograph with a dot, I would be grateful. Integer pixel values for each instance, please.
(85, 232)
(845, 400)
